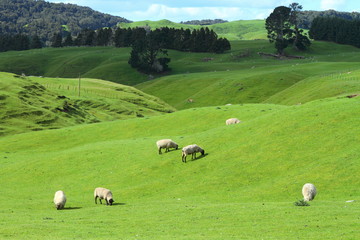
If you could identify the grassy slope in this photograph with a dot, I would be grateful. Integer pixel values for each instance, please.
(251, 79)
(94, 62)
(32, 103)
(235, 30)
(244, 188)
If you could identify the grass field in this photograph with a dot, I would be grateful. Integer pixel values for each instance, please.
(244, 188)
(298, 126)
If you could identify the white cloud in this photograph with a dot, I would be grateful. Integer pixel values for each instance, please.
(332, 4)
(159, 11)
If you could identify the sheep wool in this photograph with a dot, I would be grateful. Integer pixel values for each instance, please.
(191, 149)
(103, 193)
(59, 200)
(309, 191)
(232, 121)
(166, 143)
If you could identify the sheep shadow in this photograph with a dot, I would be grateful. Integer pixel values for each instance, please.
(121, 204)
(199, 157)
(71, 208)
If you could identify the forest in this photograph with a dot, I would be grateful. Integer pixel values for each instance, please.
(41, 18)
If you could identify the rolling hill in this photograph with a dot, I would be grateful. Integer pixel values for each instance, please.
(244, 187)
(33, 103)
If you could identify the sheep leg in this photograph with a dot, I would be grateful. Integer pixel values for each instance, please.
(100, 200)
(96, 199)
(160, 150)
(183, 157)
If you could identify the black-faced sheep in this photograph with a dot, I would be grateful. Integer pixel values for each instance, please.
(59, 200)
(166, 143)
(191, 149)
(103, 193)
(309, 191)
(232, 121)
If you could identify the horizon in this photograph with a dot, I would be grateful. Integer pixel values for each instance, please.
(230, 10)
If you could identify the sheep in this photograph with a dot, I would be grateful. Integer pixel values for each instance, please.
(103, 193)
(232, 121)
(309, 191)
(59, 200)
(191, 149)
(166, 143)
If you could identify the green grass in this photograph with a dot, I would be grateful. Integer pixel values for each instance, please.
(33, 103)
(244, 188)
(328, 70)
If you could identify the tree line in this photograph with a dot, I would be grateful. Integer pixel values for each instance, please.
(336, 30)
(197, 40)
(19, 42)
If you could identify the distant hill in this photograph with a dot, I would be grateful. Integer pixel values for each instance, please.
(204, 22)
(44, 18)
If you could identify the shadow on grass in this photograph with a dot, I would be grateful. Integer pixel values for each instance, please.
(115, 203)
(71, 208)
(199, 157)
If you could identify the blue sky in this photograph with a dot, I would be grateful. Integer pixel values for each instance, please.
(183, 10)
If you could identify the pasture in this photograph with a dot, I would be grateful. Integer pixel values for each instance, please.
(244, 188)
(298, 126)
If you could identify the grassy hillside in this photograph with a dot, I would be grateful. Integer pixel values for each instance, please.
(244, 187)
(237, 76)
(235, 30)
(33, 103)
(92, 62)
(327, 70)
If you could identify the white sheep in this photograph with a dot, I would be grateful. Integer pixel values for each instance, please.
(191, 149)
(166, 143)
(309, 191)
(59, 200)
(103, 193)
(232, 121)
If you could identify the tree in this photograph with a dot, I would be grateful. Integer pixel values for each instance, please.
(56, 41)
(144, 55)
(278, 26)
(283, 28)
(35, 42)
(299, 40)
(68, 40)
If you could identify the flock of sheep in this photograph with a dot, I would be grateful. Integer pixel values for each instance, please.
(308, 190)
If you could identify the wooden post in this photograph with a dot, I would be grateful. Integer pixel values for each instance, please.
(79, 83)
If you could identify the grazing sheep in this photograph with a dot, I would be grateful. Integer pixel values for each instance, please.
(59, 200)
(309, 191)
(103, 193)
(191, 149)
(232, 121)
(166, 143)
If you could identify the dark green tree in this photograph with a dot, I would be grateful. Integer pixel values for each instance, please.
(56, 40)
(299, 40)
(278, 26)
(145, 55)
(68, 40)
(35, 42)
